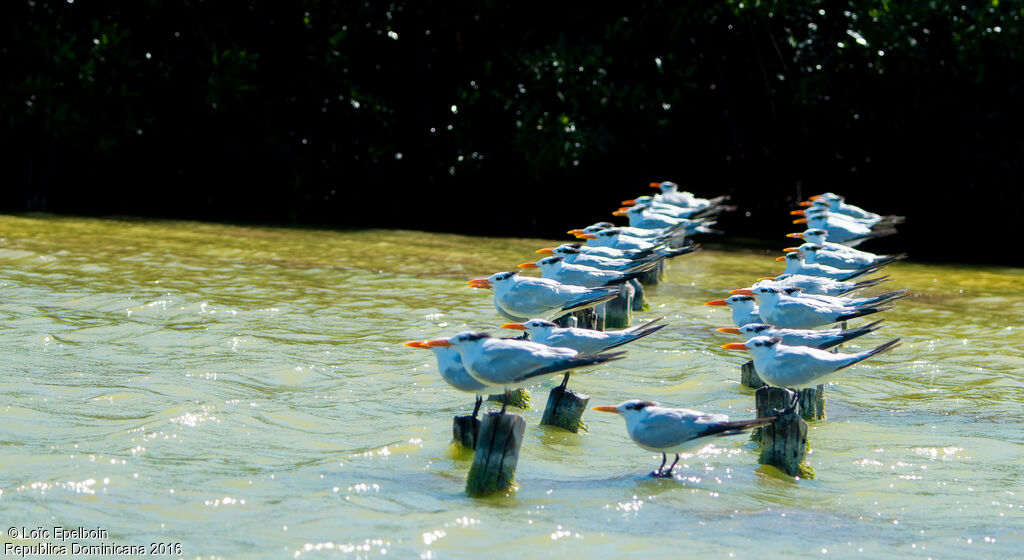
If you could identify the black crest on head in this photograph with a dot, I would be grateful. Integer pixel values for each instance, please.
(640, 405)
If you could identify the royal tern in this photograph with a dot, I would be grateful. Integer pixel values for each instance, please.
(817, 254)
(617, 240)
(675, 430)
(823, 338)
(743, 308)
(840, 301)
(820, 285)
(846, 233)
(511, 363)
(671, 194)
(819, 236)
(556, 268)
(585, 341)
(837, 204)
(641, 218)
(650, 204)
(799, 367)
(795, 264)
(789, 312)
(521, 297)
(822, 211)
(576, 255)
(648, 234)
(449, 365)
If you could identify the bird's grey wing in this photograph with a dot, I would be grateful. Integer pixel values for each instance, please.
(666, 430)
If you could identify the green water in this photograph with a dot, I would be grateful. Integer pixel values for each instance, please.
(244, 392)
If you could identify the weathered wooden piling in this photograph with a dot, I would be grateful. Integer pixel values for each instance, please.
(812, 403)
(497, 454)
(784, 441)
(812, 399)
(639, 297)
(465, 430)
(565, 409)
(520, 398)
(654, 275)
(618, 312)
(588, 318)
(749, 377)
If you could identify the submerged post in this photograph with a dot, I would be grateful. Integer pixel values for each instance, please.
(639, 297)
(749, 377)
(465, 430)
(653, 276)
(784, 441)
(520, 398)
(565, 409)
(618, 312)
(497, 454)
(812, 403)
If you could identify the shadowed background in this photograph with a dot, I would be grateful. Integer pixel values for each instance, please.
(508, 118)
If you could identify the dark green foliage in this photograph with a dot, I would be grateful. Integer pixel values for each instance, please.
(300, 111)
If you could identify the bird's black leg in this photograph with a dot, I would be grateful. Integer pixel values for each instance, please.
(565, 380)
(669, 473)
(479, 401)
(657, 471)
(504, 403)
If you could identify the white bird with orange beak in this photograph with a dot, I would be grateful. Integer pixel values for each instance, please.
(789, 312)
(642, 233)
(612, 237)
(675, 430)
(573, 255)
(845, 231)
(819, 285)
(585, 341)
(815, 338)
(510, 363)
(449, 365)
(671, 194)
(744, 309)
(817, 254)
(519, 298)
(556, 268)
(795, 264)
(799, 367)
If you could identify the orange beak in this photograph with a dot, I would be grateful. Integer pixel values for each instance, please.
(576, 231)
(586, 236)
(655, 185)
(629, 202)
(798, 235)
(766, 278)
(730, 330)
(800, 221)
(482, 283)
(806, 203)
(527, 265)
(439, 342)
(791, 249)
(735, 346)
(606, 408)
(716, 302)
(619, 212)
(742, 292)
(416, 344)
(516, 326)
(815, 197)
(796, 212)
(546, 251)
(780, 258)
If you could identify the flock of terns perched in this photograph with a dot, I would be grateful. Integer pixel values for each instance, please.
(780, 317)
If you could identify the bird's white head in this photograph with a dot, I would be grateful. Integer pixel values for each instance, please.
(629, 409)
(757, 345)
(461, 340)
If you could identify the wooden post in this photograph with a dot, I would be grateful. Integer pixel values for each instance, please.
(653, 276)
(567, 321)
(497, 454)
(565, 409)
(618, 312)
(465, 430)
(749, 377)
(601, 311)
(784, 441)
(812, 403)
(639, 297)
(520, 398)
